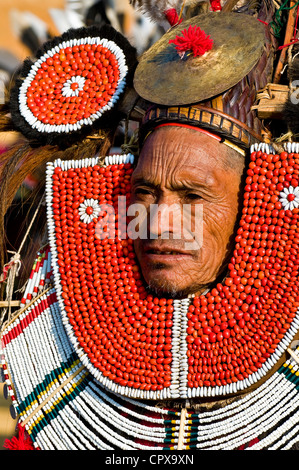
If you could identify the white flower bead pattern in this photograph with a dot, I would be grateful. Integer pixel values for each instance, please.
(73, 86)
(289, 197)
(88, 210)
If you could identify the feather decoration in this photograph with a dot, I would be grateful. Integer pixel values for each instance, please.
(156, 10)
(32, 31)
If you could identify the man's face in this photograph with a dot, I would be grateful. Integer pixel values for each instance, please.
(189, 185)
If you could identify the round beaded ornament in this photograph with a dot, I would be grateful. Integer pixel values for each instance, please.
(140, 345)
(75, 80)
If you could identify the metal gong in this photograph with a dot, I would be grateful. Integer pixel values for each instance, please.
(164, 78)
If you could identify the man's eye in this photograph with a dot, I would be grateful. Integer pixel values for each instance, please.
(142, 192)
(193, 196)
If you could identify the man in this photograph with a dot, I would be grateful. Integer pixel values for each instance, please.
(183, 153)
(182, 166)
(177, 338)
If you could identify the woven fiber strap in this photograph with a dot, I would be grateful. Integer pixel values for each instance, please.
(207, 118)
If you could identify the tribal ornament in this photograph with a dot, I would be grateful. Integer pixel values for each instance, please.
(194, 41)
(63, 407)
(75, 81)
(98, 332)
(157, 11)
(146, 347)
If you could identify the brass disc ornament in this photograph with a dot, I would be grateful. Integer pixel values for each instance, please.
(164, 77)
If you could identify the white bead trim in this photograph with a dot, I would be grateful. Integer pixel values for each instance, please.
(226, 428)
(266, 148)
(119, 159)
(67, 128)
(179, 366)
(290, 147)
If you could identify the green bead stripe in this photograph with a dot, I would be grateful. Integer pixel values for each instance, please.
(47, 382)
(67, 398)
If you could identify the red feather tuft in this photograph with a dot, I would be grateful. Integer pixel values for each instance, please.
(172, 16)
(194, 40)
(21, 442)
(215, 5)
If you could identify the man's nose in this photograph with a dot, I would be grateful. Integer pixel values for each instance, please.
(165, 219)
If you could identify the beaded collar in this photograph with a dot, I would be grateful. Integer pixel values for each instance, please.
(65, 369)
(148, 347)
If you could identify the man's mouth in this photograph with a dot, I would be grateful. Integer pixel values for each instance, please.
(165, 252)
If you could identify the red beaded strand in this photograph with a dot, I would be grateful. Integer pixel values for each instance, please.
(236, 327)
(127, 334)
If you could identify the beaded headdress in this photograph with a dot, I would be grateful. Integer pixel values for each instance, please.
(110, 366)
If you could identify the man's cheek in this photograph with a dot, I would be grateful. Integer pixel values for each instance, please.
(192, 223)
(218, 227)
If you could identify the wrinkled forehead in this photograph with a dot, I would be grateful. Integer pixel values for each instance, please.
(184, 151)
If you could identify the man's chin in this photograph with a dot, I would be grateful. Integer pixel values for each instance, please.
(164, 287)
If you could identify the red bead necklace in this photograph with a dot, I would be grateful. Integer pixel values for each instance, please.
(232, 333)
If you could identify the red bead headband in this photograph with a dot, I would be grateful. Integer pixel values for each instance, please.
(203, 131)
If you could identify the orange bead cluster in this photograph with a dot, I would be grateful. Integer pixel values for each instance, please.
(236, 327)
(94, 62)
(128, 334)
(125, 332)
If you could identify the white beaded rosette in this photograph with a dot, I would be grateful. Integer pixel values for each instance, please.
(76, 80)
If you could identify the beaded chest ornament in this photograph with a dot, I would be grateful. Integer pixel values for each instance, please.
(142, 346)
(98, 338)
